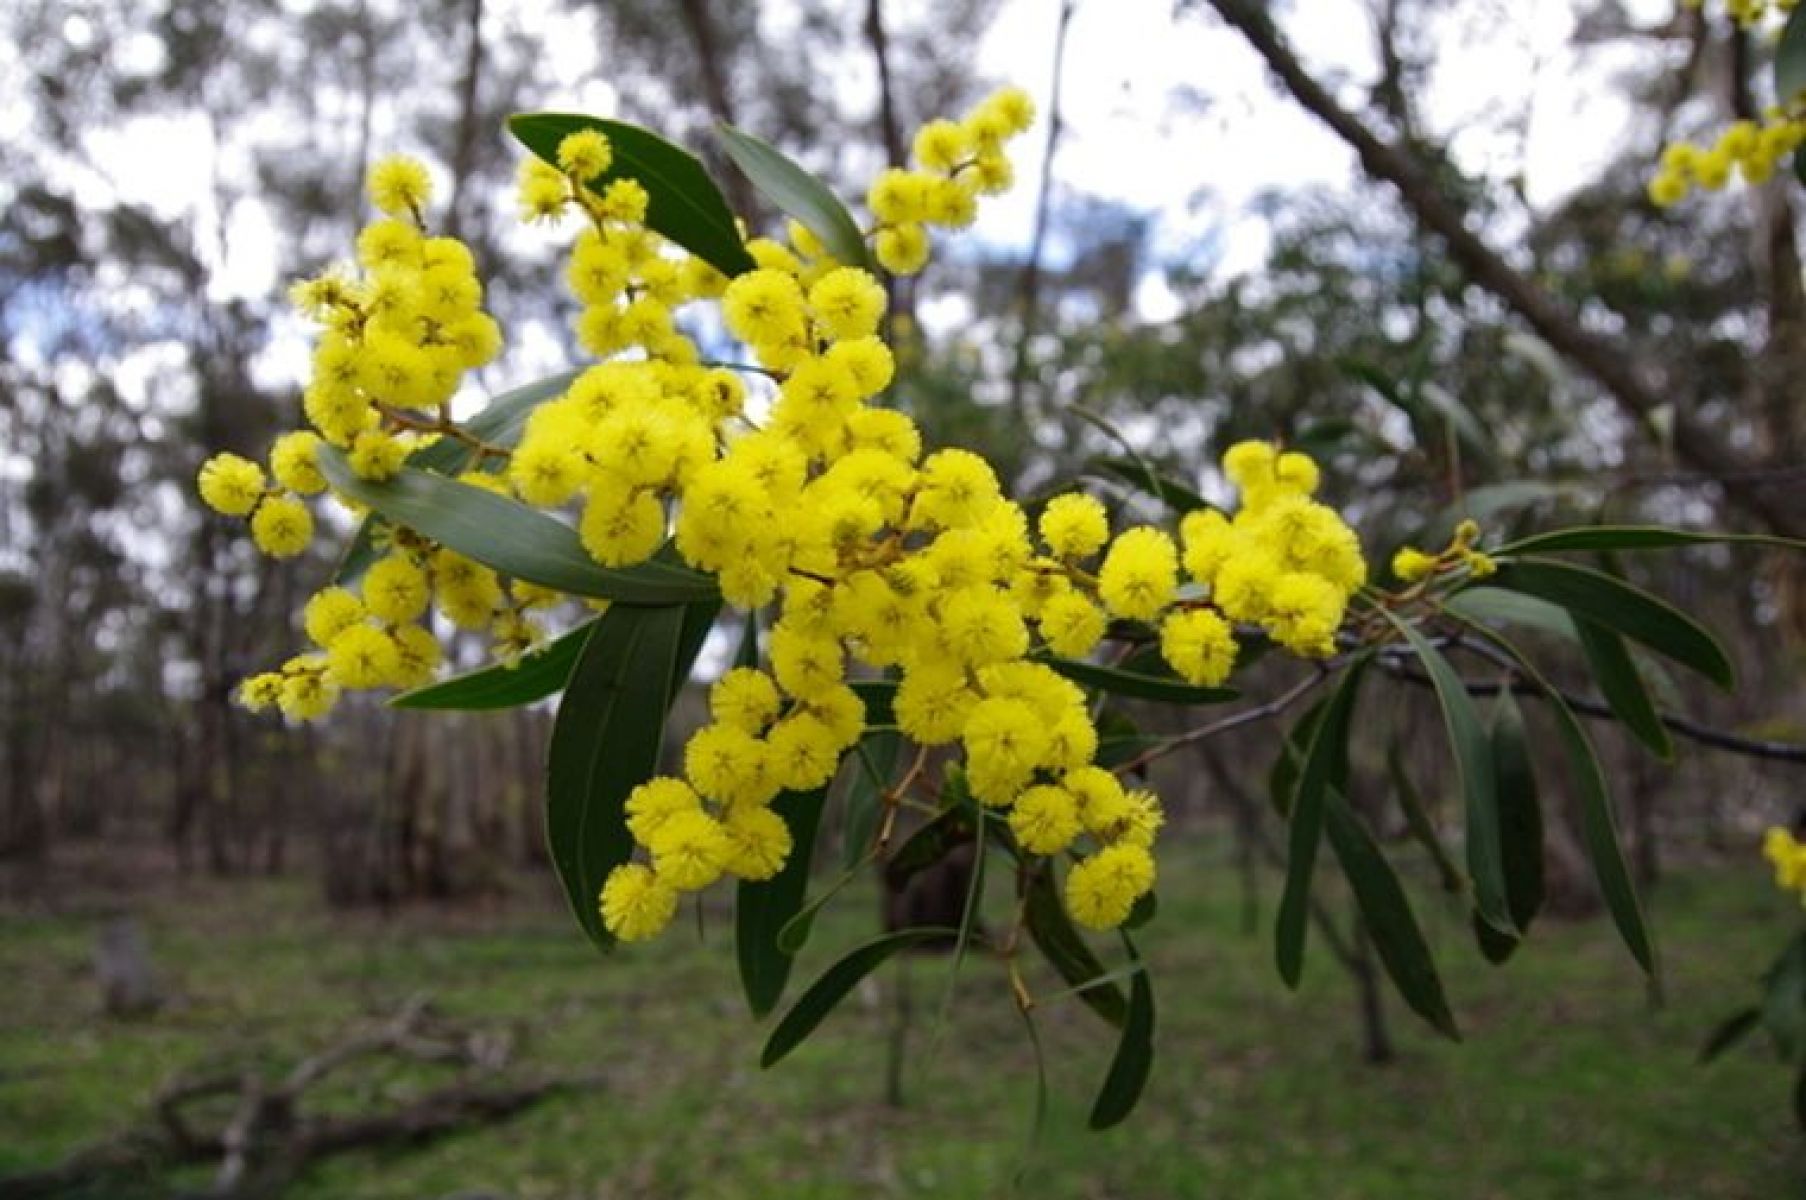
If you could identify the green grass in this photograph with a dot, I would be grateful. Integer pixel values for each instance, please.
(1567, 1085)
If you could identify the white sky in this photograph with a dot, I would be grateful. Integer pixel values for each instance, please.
(1197, 166)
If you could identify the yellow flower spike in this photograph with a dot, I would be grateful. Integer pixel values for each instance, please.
(1140, 574)
(635, 903)
(282, 527)
(400, 186)
(231, 485)
(585, 154)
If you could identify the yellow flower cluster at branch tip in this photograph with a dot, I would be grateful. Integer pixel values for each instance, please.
(955, 163)
(1748, 148)
(807, 498)
(1414, 566)
(1787, 854)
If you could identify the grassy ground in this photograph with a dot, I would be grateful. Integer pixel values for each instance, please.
(1568, 1085)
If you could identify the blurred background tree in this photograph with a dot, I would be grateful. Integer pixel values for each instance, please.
(1587, 357)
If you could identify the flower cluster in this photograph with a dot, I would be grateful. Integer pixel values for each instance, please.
(805, 497)
(1412, 565)
(1787, 854)
(1748, 148)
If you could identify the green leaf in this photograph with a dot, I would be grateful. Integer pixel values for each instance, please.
(799, 194)
(876, 756)
(1324, 762)
(1066, 950)
(878, 695)
(1599, 831)
(683, 203)
(813, 1006)
(1496, 606)
(1520, 813)
(1128, 1074)
(1790, 60)
(1145, 909)
(1637, 537)
(1282, 779)
(499, 424)
(747, 655)
(1622, 607)
(1622, 685)
(794, 934)
(1387, 912)
(504, 685)
(605, 742)
(1479, 786)
(1732, 1030)
(932, 841)
(1461, 419)
(1180, 497)
(1139, 686)
(1037, 1118)
(1417, 820)
(1784, 1000)
(763, 908)
(510, 537)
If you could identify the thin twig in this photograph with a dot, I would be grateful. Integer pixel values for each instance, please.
(1246, 716)
(1705, 735)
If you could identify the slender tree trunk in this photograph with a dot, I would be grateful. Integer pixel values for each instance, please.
(464, 149)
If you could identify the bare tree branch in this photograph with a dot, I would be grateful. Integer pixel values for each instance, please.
(1028, 288)
(1699, 444)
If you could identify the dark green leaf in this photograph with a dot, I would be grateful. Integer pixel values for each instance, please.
(813, 1006)
(534, 677)
(1144, 910)
(498, 424)
(1387, 912)
(1599, 831)
(1282, 780)
(795, 933)
(1066, 949)
(1324, 762)
(1479, 787)
(878, 695)
(1141, 687)
(1417, 820)
(748, 653)
(605, 742)
(799, 194)
(763, 908)
(932, 841)
(683, 203)
(1784, 1000)
(1119, 739)
(1037, 1118)
(510, 537)
(1128, 1073)
(1496, 606)
(1622, 685)
(1622, 607)
(1637, 537)
(876, 758)
(1520, 813)
(1790, 60)
(1180, 497)
(1732, 1030)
